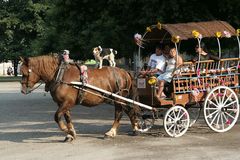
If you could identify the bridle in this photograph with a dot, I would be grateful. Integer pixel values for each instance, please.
(27, 83)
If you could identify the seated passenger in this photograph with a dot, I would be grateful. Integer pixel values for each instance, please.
(173, 62)
(154, 60)
(204, 54)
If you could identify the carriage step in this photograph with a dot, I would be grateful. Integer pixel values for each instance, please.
(164, 101)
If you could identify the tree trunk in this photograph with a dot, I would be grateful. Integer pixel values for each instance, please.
(15, 67)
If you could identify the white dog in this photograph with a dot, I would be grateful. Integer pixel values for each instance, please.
(104, 53)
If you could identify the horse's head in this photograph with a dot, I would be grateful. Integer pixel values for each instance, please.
(29, 76)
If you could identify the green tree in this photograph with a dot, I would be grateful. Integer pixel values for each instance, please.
(21, 22)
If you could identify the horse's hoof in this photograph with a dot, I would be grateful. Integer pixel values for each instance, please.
(110, 134)
(72, 133)
(68, 138)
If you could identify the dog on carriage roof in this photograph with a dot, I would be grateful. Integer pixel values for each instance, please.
(104, 53)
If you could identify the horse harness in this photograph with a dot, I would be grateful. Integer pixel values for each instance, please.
(84, 79)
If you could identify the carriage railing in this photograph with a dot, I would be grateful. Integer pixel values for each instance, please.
(209, 75)
(209, 66)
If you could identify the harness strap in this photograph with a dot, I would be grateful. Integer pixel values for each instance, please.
(61, 70)
(80, 91)
(117, 80)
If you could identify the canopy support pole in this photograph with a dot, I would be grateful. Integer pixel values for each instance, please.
(199, 55)
(238, 50)
(219, 52)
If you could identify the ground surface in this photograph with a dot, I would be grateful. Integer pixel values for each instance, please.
(28, 132)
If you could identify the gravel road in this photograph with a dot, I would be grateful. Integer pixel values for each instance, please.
(28, 132)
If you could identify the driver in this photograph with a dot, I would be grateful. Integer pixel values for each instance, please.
(156, 58)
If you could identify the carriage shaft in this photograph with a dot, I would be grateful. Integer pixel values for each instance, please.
(113, 94)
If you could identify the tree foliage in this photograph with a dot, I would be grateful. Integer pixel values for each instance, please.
(42, 26)
(21, 22)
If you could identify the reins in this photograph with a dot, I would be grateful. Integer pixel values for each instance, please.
(35, 87)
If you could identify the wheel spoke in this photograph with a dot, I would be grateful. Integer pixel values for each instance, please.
(178, 113)
(174, 114)
(174, 130)
(170, 127)
(214, 96)
(212, 113)
(169, 123)
(179, 130)
(182, 115)
(227, 99)
(222, 121)
(170, 117)
(218, 119)
(230, 103)
(219, 97)
(229, 115)
(224, 116)
(225, 91)
(230, 109)
(211, 108)
(211, 102)
(214, 118)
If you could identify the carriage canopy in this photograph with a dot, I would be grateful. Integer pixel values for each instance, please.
(162, 32)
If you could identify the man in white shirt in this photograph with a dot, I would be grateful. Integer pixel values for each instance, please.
(156, 59)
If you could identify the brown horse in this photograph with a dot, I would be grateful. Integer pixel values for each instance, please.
(112, 79)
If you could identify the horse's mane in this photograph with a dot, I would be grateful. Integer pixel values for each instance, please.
(45, 64)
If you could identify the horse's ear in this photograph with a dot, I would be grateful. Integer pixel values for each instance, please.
(24, 60)
(21, 59)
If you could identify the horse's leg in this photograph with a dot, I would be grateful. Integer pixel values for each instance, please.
(58, 120)
(132, 112)
(71, 131)
(118, 115)
(64, 110)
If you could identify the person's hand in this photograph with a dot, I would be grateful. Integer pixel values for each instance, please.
(142, 72)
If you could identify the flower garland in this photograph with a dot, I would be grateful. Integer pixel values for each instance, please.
(238, 32)
(138, 40)
(218, 34)
(196, 34)
(175, 39)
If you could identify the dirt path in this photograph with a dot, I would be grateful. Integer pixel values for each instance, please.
(28, 132)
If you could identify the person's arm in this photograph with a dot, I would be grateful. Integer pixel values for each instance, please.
(180, 61)
(160, 67)
(213, 57)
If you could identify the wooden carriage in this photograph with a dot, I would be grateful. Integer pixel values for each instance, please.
(211, 85)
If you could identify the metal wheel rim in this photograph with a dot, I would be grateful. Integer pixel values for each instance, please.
(221, 109)
(176, 121)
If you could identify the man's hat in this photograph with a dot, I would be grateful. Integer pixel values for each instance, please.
(65, 52)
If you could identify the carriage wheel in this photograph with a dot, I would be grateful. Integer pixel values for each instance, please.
(221, 109)
(176, 121)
